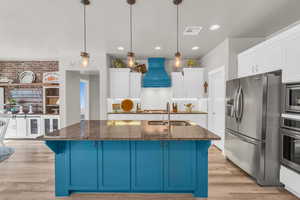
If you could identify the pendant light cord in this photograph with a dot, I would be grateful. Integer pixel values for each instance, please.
(177, 28)
(130, 28)
(84, 27)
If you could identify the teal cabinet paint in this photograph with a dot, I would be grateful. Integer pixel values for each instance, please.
(82, 164)
(131, 166)
(114, 165)
(179, 165)
(147, 172)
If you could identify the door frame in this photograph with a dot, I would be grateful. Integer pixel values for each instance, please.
(87, 99)
(210, 114)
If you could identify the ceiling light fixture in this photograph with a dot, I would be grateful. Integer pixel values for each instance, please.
(120, 48)
(195, 48)
(84, 54)
(157, 48)
(214, 27)
(177, 54)
(130, 55)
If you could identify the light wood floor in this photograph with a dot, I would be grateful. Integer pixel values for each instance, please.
(29, 175)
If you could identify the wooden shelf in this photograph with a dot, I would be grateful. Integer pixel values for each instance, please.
(27, 84)
(49, 105)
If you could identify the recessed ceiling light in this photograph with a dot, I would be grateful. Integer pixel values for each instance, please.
(120, 48)
(195, 48)
(214, 27)
(157, 48)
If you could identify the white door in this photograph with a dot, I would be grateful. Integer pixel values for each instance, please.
(193, 82)
(216, 104)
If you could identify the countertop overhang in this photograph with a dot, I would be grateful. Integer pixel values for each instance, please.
(129, 130)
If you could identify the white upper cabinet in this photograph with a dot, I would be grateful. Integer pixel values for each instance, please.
(280, 52)
(291, 72)
(135, 84)
(119, 82)
(193, 82)
(265, 57)
(177, 84)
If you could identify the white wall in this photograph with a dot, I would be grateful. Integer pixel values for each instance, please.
(98, 64)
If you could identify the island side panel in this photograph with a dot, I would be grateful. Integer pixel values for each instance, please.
(59, 148)
(201, 190)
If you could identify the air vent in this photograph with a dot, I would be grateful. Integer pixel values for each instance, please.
(192, 30)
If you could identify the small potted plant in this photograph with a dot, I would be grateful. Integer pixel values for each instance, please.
(192, 63)
(118, 63)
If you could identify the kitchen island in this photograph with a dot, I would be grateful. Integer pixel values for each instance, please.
(131, 156)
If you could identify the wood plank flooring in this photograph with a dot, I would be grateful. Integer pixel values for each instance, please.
(29, 175)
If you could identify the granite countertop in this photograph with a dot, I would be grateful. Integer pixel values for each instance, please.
(160, 112)
(129, 130)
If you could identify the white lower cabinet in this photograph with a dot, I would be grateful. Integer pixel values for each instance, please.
(11, 131)
(291, 180)
(34, 126)
(50, 123)
(31, 126)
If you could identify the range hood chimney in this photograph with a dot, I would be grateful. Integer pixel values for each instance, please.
(156, 77)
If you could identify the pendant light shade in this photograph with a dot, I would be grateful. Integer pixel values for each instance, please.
(177, 61)
(130, 55)
(85, 57)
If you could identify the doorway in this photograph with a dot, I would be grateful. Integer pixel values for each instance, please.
(84, 99)
(216, 104)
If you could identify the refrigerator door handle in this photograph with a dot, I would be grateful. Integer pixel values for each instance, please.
(235, 105)
(241, 106)
(243, 138)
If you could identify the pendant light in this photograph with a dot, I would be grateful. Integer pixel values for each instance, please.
(177, 54)
(85, 57)
(130, 55)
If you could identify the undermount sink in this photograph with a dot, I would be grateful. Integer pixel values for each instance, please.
(172, 123)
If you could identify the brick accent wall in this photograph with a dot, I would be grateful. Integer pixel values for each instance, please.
(12, 69)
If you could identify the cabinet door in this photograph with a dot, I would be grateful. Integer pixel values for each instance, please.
(55, 124)
(34, 126)
(82, 165)
(180, 165)
(11, 130)
(193, 82)
(119, 82)
(21, 127)
(273, 57)
(246, 63)
(177, 85)
(291, 69)
(135, 84)
(114, 165)
(46, 125)
(147, 174)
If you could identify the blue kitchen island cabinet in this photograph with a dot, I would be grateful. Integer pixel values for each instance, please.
(131, 166)
(130, 157)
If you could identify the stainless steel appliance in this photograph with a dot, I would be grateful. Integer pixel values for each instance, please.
(252, 125)
(290, 138)
(292, 98)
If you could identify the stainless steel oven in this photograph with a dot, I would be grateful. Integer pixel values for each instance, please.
(292, 98)
(290, 138)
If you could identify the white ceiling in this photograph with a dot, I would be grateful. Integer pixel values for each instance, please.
(53, 28)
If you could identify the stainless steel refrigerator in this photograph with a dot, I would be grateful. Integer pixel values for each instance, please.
(252, 125)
